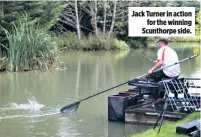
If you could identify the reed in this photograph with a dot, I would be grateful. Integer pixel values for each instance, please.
(29, 47)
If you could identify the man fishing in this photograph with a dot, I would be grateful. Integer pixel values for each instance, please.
(165, 56)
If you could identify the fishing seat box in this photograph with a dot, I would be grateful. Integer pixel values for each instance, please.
(118, 103)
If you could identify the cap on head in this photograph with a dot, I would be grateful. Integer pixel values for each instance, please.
(164, 40)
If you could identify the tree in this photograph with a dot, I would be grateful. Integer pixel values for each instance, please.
(71, 16)
(46, 13)
(195, 4)
(110, 17)
(113, 18)
(198, 23)
(105, 11)
(121, 25)
(90, 7)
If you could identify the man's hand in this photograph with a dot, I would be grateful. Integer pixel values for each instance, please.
(156, 66)
(155, 61)
(150, 71)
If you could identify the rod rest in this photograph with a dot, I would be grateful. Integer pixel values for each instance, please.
(176, 85)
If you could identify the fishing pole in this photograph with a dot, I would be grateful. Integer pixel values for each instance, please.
(143, 55)
(74, 106)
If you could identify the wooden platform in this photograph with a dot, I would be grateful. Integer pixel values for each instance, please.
(149, 116)
(126, 105)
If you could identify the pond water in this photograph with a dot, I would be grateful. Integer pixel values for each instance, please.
(30, 101)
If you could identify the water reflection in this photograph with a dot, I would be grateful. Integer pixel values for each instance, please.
(120, 129)
(87, 73)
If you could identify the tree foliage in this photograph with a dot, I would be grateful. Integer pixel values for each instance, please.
(198, 23)
(46, 13)
(195, 4)
(101, 18)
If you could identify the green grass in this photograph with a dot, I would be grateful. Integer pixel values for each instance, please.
(169, 128)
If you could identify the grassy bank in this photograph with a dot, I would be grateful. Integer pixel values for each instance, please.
(169, 128)
(90, 42)
(177, 45)
(178, 39)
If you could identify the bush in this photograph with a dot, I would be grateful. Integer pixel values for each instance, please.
(185, 39)
(135, 44)
(29, 47)
(91, 42)
(151, 39)
(68, 42)
(178, 39)
(94, 43)
(121, 44)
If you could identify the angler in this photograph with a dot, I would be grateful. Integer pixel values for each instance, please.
(166, 57)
